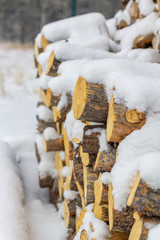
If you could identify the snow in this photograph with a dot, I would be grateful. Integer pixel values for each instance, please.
(66, 82)
(146, 7)
(135, 152)
(44, 113)
(27, 215)
(74, 127)
(93, 24)
(154, 233)
(62, 155)
(43, 81)
(144, 55)
(106, 178)
(13, 219)
(50, 133)
(65, 171)
(70, 195)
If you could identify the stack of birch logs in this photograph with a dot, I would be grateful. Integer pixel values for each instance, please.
(79, 162)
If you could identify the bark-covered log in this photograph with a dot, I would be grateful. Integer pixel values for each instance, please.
(105, 160)
(89, 177)
(77, 167)
(54, 144)
(46, 182)
(100, 192)
(81, 193)
(52, 66)
(89, 102)
(52, 99)
(121, 221)
(90, 142)
(69, 219)
(144, 199)
(60, 115)
(60, 163)
(121, 121)
(144, 41)
(42, 125)
(54, 194)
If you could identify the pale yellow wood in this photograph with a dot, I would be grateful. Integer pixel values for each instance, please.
(50, 62)
(133, 189)
(110, 206)
(44, 42)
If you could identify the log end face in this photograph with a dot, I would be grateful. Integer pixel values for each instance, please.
(110, 120)
(79, 97)
(132, 116)
(50, 62)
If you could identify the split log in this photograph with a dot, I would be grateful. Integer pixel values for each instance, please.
(124, 3)
(70, 182)
(54, 195)
(69, 219)
(81, 193)
(68, 145)
(87, 158)
(89, 177)
(144, 199)
(46, 182)
(84, 235)
(89, 102)
(105, 160)
(120, 221)
(121, 121)
(90, 142)
(54, 144)
(71, 234)
(77, 167)
(44, 42)
(42, 125)
(60, 163)
(61, 186)
(101, 211)
(134, 11)
(144, 41)
(60, 127)
(100, 192)
(40, 70)
(142, 226)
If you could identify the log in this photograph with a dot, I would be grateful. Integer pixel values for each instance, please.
(61, 186)
(44, 42)
(87, 158)
(89, 177)
(84, 235)
(120, 221)
(39, 69)
(141, 227)
(144, 41)
(37, 153)
(81, 193)
(79, 221)
(60, 115)
(54, 144)
(70, 182)
(46, 182)
(124, 3)
(121, 121)
(71, 234)
(52, 66)
(69, 219)
(156, 43)
(52, 100)
(60, 127)
(44, 97)
(89, 102)
(42, 125)
(134, 11)
(90, 141)
(59, 163)
(68, 145)
(100, 192)
(144, 199)
(101, 211)
(54, 194)
(37, 50)
(105, 161)
(122, 24)
(77, 167)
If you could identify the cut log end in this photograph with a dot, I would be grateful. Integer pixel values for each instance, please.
(79, 97)
(50, 62)
(133, 189)
(110, 119)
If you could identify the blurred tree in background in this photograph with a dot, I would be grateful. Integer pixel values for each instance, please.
(21, 20)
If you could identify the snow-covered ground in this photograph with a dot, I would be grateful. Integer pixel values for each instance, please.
(31, 216)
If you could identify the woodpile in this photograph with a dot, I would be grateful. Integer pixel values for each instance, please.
(81, 163)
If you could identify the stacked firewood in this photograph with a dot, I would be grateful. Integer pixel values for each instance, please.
(81, 138)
